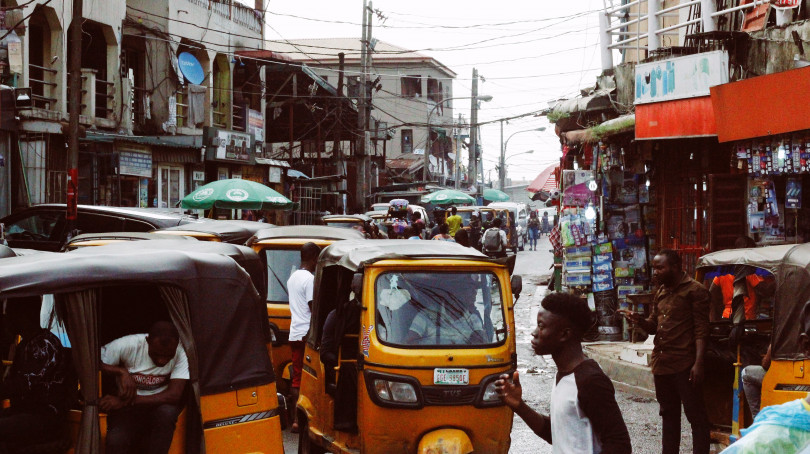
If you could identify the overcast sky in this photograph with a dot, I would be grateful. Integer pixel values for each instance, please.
(529, 53)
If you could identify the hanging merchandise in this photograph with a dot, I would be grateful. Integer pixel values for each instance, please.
(577, 188)
(793, 194)
(764, 221)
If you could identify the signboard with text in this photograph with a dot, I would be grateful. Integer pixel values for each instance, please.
(230, 146)
(134, 160)
(682, 77)
(256, 125)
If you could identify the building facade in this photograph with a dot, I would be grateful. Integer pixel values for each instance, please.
(411, 95)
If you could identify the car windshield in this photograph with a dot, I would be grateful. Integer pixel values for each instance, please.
(281, 263)
(436, 309)
(465, 217)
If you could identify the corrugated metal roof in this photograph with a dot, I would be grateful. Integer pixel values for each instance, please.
(272, 162)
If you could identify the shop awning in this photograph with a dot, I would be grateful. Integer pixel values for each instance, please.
(545, 181)
(763, 106)
(577, 136)
(599, 100)
(161, 141)
(676, 119)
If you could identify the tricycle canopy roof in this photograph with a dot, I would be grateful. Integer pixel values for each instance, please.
(768, 258)
(315, 232)
(235, 231)
(244, 256)
(353, 255)
(790, 264)
(227, 318)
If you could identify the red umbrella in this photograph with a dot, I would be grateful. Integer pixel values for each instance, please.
(546, 180)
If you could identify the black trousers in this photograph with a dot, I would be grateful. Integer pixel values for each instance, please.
(672, 390)
(150, 427)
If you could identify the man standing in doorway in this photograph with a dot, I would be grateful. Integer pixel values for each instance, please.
(680, 322)
(454, 222)
(300, 287)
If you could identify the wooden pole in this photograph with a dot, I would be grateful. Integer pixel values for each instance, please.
(74, 111)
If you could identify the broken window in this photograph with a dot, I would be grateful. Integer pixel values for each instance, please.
(411, 86)
(407, 141)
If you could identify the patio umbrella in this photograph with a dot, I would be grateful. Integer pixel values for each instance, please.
(447, 197)
(236, 194)
(495, 195)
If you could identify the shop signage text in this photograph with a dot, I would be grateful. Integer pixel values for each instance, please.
(683, 77)
(135, 163)
(256, 124)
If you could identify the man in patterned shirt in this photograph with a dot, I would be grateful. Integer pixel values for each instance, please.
(37, 385)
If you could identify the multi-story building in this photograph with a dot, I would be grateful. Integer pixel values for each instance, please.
(411, 95)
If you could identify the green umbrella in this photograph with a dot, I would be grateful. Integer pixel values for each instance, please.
(236, 194)
(447, 197)
(495, 195)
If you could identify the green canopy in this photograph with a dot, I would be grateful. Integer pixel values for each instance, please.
(447, 197)
(236, 194)
(495, 195)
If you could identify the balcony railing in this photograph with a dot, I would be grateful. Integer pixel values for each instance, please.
(234, 11)
(640, 25)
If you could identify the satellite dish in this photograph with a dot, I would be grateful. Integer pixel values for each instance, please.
(191, 68)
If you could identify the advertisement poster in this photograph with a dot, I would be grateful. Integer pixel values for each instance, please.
(233, 146)
(579, 188)
(256, 124)
(681, 77)
(793, 194)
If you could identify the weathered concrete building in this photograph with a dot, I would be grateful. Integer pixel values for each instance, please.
(411, 94)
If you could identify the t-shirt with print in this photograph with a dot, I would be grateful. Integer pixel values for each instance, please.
(132, 353)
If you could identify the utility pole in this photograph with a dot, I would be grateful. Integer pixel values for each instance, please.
(457, 170)
(472, 170)
(367, 93)
(364, 104)
(337, 153)
(502, 163)
(75, 69)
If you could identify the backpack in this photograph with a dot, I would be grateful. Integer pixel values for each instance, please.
(492, 240)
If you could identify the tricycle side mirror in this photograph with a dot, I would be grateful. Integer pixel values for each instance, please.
(357, 286)
(517, 286)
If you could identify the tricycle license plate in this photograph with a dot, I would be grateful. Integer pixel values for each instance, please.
(451, 377)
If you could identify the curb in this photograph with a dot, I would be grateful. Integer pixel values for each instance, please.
(626, 377)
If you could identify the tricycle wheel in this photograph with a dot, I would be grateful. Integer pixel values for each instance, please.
(305, 443)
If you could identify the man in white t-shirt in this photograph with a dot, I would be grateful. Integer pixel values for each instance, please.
(151, 371)
(300, 287)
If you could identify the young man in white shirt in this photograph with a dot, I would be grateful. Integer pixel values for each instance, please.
(151, 371)
(300, 287)
(584, 417)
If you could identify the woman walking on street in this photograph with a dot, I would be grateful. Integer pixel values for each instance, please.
(546, 225)
(534, 230)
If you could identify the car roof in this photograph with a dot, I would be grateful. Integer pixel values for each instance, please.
(318, 232)
(361, 217)
(356, 254)
(124, 236)
(230, 231)
(162, 217)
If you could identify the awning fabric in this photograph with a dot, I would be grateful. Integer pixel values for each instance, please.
(545, 181)
(762, 106)
(677, 119)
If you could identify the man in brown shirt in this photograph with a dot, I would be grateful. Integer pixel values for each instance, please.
(680, 322)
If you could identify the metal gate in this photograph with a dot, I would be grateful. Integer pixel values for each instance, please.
(309, 200)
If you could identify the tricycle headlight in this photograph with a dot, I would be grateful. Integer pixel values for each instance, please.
(490, 393)
(394, 391)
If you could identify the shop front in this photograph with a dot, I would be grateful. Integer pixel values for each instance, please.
(770, 154)
(608, 219)
(676, 130)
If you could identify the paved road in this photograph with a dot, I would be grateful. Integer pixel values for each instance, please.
(537, 373)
